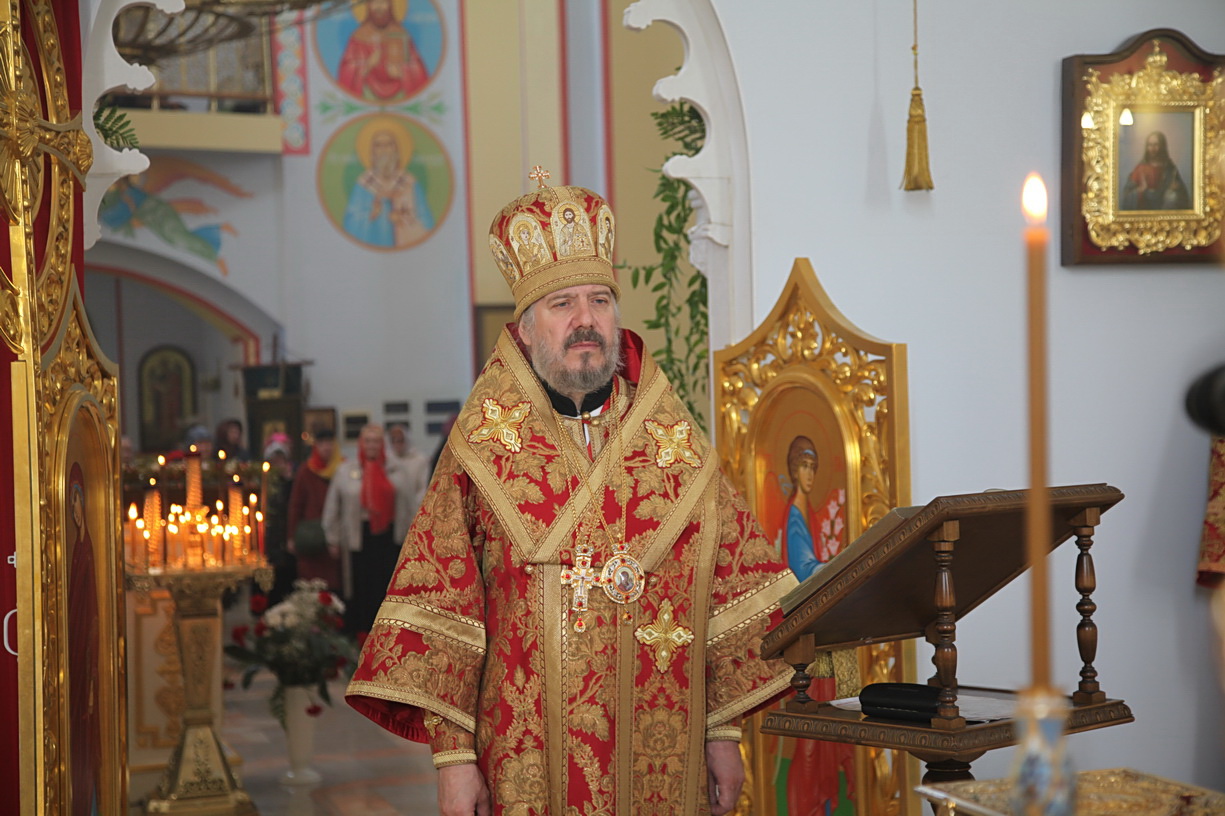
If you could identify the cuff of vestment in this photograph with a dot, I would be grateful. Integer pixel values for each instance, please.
(723, 732)
(444, 758)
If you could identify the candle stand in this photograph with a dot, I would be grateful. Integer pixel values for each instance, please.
(196, 553)
(198, 779)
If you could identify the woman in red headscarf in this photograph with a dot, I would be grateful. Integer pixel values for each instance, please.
(366, 517)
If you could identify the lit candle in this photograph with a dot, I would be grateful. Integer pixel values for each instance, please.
(263, 486)
(129, 536)
(195, 485)
(236, 507)
(1038, 510)
(153, 521)
(220, 474)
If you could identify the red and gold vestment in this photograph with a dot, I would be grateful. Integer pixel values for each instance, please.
(580, 706)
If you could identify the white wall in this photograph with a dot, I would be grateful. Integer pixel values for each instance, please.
(826, 89)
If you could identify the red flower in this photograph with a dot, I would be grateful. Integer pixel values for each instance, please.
(325, 598)
(239, 634)
(314, 710)
(339, 622)
(258, 604)
(260, 628)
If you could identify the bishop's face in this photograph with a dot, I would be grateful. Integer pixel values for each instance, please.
(573, 339)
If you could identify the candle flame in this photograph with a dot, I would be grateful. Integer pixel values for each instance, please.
(132, 514)
(1033, 200)
(236, 479)
(140, 524)
(192, 449)
(161, 461)
(252, 499)
(152, 481)
(1125, 118)
(221, 455)
(267, 467)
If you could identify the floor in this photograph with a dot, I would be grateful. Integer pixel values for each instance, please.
(364, 769)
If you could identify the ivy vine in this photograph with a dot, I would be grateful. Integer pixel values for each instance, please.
(682, 310)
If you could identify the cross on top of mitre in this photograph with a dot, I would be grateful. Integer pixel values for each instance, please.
(538, 175)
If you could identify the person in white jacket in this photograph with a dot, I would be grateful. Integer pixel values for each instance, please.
(365, 517)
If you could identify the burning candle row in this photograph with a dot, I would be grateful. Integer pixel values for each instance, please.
(193, 540)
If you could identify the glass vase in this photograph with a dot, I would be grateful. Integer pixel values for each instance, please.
(1043, 782)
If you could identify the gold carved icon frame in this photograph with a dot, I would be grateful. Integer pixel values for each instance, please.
(812, 427)
(1143, 143)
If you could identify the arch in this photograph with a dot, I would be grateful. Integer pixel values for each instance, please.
(719, 174)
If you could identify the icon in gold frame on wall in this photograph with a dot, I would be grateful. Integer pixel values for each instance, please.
(1143, 143)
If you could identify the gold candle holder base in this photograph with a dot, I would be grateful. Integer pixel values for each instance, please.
(198, 780)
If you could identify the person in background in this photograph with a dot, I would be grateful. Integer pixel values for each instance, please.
(276, 517)
(229, 439)
(197, 436)
(416, 467)
(304, 516)
(365, 518)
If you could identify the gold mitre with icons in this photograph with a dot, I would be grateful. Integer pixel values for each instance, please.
(552, 238)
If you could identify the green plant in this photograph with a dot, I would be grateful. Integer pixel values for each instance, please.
(114, 127)
(681, 302)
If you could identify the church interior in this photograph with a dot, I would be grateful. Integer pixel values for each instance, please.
(301, 245)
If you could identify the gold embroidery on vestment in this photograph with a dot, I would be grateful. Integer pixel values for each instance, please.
(501, 424)
(665, 635)
(673, 444)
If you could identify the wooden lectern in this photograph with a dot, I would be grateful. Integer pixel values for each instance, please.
(915, 574)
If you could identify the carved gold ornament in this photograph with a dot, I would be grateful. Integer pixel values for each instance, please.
(673, 444)
(1153, 88)
(25, 134)
(501, 424)
(664, 635)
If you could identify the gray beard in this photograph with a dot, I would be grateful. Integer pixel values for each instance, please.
(551, 368)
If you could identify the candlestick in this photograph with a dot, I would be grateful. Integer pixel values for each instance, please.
(1038, 509)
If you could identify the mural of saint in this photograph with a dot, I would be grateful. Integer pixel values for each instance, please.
(385, 181)
(387, 205)
(83, 700)
(384, 51)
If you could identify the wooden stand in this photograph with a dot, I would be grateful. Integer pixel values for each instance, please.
(915, 574)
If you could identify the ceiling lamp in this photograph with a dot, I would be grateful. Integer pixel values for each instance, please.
(146, 35)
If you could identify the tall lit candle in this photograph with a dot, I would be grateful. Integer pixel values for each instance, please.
(129, 537)
(1038, 510)
(195, 485)
(263, 486)
(220, 474)
(153, 520)
(234, 509)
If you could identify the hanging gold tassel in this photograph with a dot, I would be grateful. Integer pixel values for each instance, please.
(918, 175)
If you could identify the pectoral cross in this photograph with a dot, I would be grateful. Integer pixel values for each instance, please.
(538, 175)
(665, 635)
(580, 577)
